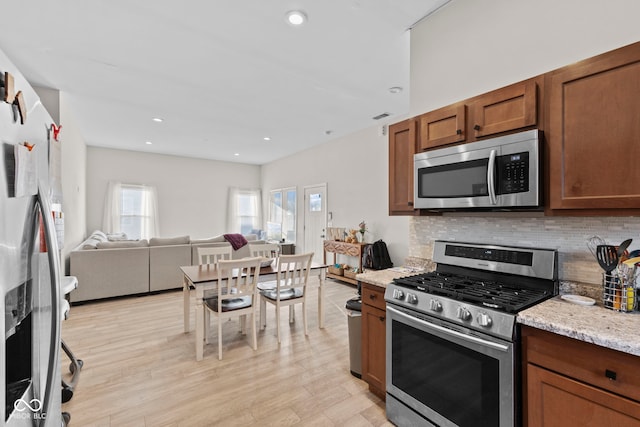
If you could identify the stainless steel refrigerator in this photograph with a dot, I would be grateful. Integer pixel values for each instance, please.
(29, 265)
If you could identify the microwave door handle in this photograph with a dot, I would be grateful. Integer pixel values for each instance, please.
(490, 177)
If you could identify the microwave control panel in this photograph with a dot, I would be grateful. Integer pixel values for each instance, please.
(513, 173)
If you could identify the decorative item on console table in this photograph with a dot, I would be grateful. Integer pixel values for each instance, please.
(363, 229)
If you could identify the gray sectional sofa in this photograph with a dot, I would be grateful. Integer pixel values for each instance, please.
(106, 268)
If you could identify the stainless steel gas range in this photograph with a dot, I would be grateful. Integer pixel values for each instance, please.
(452, 353)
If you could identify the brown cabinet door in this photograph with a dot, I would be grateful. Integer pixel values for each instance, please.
(507, 109)
(373, 348)
(556, 400)
(402, 147)
(594, 132)
(443, 126)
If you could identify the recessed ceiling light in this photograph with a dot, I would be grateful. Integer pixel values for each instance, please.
(157, 119)
(236, 154)
(266, 138)
(395, 89)
(148, 142)
(296, 17)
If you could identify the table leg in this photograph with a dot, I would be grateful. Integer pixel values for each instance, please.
(199, 323)
(185, 296)
(321, 277)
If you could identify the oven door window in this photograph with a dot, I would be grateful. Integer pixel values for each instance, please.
(463, 179)
(461, 383)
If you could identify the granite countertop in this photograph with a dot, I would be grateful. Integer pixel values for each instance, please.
(383, 277)
(593, 324)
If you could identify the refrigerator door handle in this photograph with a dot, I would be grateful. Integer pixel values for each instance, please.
(54, 270)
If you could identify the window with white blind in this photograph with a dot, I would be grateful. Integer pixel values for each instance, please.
(131, 209)
(245, 211)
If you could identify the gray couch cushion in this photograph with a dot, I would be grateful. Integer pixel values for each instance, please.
(217, 239)
(123, 244)
(92, 241)
(117, 237)
(160, 241)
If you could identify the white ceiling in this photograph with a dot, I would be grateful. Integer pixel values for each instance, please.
(221, 74)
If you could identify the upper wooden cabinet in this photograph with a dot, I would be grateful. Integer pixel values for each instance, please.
(506, 109)
(509, 109)
(402, 147)
(443, 126)
(594, 132)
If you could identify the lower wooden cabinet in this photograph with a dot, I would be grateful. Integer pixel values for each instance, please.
(557, 400)
(374, 338)
(568, 383)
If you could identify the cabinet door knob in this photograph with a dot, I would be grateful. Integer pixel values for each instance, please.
(476, 127)
(409, 203)
(372, 296)
(459, 131)
(610, 374)
(381, 318)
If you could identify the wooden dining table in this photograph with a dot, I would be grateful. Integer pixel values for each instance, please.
(204, 277)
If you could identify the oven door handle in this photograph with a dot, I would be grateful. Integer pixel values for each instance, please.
(460, 335)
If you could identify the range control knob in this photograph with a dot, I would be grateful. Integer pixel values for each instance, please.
(398, 294)
(463, 314)
(435, 305)
(484, 320)
(412, 299)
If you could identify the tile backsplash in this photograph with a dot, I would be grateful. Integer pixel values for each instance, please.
(566, 234)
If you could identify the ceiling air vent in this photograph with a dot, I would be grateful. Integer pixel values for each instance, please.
(381, 116)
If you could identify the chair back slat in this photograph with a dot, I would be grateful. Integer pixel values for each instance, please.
(213, 255)
(264, 250)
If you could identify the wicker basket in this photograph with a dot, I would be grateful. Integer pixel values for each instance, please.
(336, 271)
(350, 274)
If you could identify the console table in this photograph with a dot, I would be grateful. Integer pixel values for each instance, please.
(344, 248)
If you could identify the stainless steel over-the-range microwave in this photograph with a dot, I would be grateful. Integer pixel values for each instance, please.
(498, 173)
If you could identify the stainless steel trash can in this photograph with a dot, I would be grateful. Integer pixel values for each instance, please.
(354, 324)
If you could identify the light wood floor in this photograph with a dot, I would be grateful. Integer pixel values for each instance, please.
(140, 368)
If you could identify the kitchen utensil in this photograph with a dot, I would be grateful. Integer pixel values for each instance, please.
(632, 261)
(607, 256)
(623, 247)
(593, 242)
(634, 253)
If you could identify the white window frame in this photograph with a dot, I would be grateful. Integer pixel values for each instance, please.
(285, 217)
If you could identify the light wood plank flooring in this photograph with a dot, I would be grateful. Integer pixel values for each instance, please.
(140, 368)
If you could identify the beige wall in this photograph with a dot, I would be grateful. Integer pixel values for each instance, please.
(471, 47)
(192, 193)
(355, 169)
(74, 174)
(73, 160)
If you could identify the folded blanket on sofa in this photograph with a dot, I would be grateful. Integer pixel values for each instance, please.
(237, 240)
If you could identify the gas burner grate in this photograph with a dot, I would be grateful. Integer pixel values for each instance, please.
(496, 295)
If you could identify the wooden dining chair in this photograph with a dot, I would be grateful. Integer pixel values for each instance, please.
(236, 295)
(291, 288)
(266, 250)
(210, 256)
